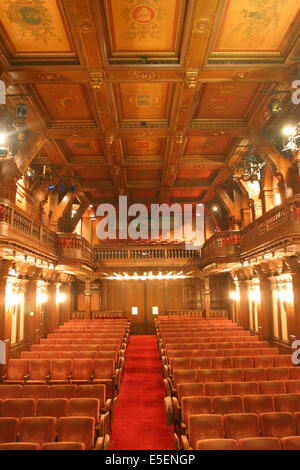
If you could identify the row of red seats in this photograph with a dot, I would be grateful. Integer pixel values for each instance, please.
(71, 355)
(235, 404)
(74, 347)
(57, 407)
(239, 362)
(254, 374)
(77, 371)
(237, 388)
(239, 426)
(230, 352)
(55, 391)
(251, 443)
(41, 433)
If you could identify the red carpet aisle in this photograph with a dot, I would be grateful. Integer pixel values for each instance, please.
(139, 421)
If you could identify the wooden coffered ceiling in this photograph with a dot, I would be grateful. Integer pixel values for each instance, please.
(147, 98)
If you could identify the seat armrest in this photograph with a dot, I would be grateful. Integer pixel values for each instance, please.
(3, 377)
(26, 377)
(102, 443)
(176, 409)
(104, 424)
(185, 443)
(108, 405)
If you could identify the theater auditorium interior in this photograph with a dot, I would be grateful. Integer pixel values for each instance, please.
(149, 225)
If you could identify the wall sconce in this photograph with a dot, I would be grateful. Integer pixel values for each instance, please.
(234, 295)
(134, 311)
(12, 298)
(254, 295)
(60, 297)
(41, 298)
(285, 295)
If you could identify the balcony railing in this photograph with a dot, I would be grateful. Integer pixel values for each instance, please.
(277, 225)
(15, 223)
(221, 245)
(75, 247)
(144, 253)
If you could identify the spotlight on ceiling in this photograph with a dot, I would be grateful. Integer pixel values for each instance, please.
(51, 187)
(215, 208)
(275, 106)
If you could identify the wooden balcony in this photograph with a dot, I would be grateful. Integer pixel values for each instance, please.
(277, 230)
(19, 231)
(223, 248)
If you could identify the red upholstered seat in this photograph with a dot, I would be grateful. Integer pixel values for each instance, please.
(17, 371)
(190, 390)
(201, 363)
(255, 375)
(242, 362)
(209, 426)
(62, 391)
(232, 375)
(19, 446)
(60, 371)
(260, 443)
(8, 429)
(10, 391)
(278, 373)
(241, 425)
(30, 355)
(288, 402)
(209, 375)
(56, 407)
(283, 360)
(290, 443)
(194, 406)
(35, 391)
(263, 361)
(272, 387)
(77, 429)
(37, 429)
(39, 371)
(292, 386)
(258, 403)
(228, 404)
(217, 388)
(184, 376)
(82, 370)
(278, 424)
(217, 444)
(63, 446)
(222, 363)
(19, 407)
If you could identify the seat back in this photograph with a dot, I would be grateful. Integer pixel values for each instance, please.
(37, 429)
(258, 403)
(10, 391)
(82, 369)
(228, 404)
(84, 407)
(62, 391)
(39, 369)
(60, 369)
(218, 388)
(184, 376)
(189, 390)
(92, 391)
(35, 391)
(63, 446)
(209, 375)
(103, 368)
(56, 407)
(19, 407)
(194, 406)
(17, 369)
(8, 429)
(278, 424)
(260, 443)
(240, 425)
(77, 429)
(206, 426)
(289, 402)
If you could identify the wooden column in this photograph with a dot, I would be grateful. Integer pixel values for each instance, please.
(87, 295)
(52, 308)
(207, 297)
(266, 309)
(3, 320)
(296, 307)
(244, 304)
(268, 199)
(32, 322)
(66, 289)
